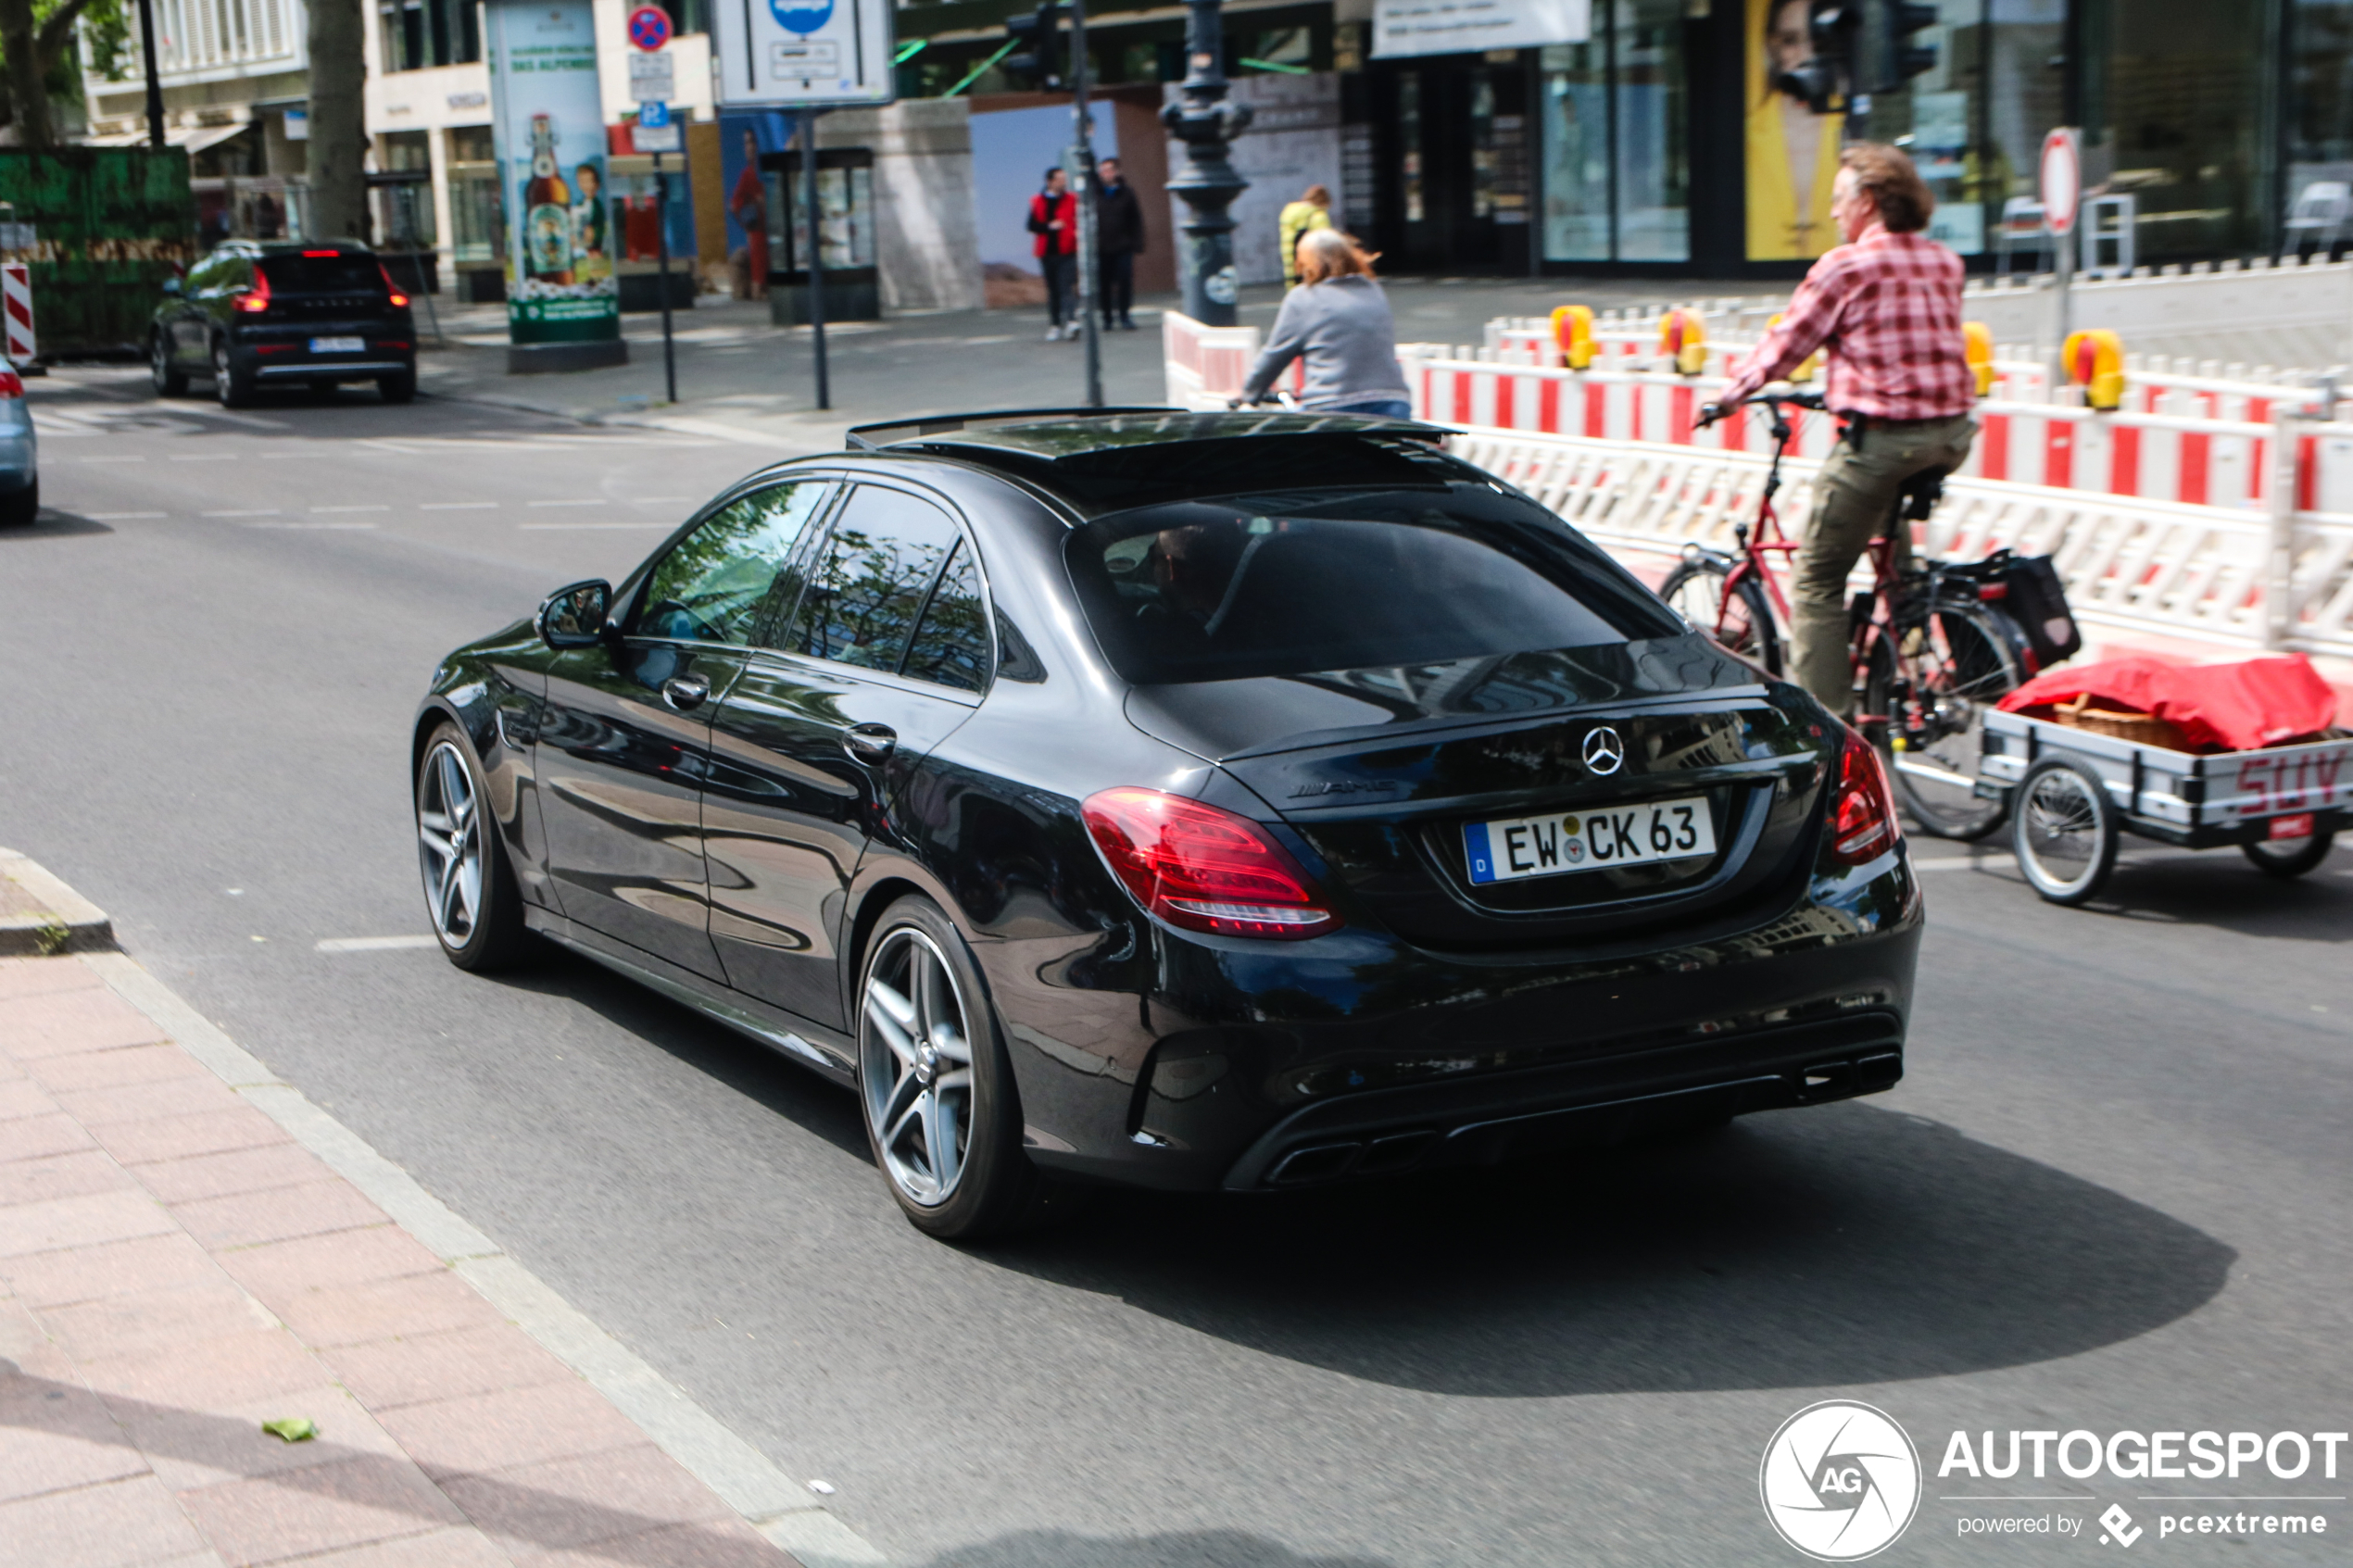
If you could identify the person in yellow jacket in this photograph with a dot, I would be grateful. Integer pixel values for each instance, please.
(1311, 211)
(1792, 152)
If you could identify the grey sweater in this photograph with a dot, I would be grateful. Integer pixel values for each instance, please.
(1343, 328)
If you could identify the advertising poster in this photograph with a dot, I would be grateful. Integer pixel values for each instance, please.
(1792, 152)
(549, 120)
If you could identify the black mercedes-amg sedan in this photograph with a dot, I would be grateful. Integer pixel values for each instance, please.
(1197, 800)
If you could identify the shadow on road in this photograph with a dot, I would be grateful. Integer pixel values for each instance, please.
(1190, 1548)
(1838, 1245)
(53, 524)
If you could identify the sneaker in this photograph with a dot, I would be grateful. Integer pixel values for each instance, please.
(1126, 325)
(1053, 334)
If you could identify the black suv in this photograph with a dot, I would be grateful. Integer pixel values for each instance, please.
(253, 313)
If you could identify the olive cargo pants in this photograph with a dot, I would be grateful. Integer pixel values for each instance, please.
(1859, 482)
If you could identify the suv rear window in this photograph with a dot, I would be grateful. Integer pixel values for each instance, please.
(323, 274)
(1292, 584)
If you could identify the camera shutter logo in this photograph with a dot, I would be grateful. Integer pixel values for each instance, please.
(1604, 753)
(1840, 1481)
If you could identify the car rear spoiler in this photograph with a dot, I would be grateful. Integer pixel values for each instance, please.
(867, 438)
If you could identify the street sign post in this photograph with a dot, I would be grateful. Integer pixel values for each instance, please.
(2062, 192)
(807, 55)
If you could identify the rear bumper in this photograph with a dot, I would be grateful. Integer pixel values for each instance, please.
(326, 370)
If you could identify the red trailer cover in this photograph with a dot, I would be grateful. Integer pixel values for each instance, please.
(2217, 707)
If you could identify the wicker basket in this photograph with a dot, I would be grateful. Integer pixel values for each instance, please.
(2140, 729)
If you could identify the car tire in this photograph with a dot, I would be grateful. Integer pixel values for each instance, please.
(170, 381)
(22, 509)
(231, 386)
(399, 387)
(2063, 828)
(471, 894)
(931, 1057)
(2284, 863)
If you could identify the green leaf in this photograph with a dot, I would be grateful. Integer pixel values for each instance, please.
(292, 1428)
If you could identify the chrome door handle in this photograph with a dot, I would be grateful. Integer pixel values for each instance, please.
(686, 693)
(870, 744)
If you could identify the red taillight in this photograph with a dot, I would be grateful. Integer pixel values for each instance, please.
(322, 253)
(398, 298)
(1863, 825)
(1203, 868)
(11, 386)
(256, 299)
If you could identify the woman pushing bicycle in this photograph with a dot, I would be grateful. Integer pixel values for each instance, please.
(1887, 307)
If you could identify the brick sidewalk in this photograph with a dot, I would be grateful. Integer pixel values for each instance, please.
(175, 1270)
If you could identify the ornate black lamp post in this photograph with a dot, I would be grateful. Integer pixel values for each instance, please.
(1203, 121)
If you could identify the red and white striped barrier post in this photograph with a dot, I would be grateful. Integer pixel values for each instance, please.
(16, 303)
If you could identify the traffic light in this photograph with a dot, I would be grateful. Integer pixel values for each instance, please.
(1825, 79)
(1039, 55)
(1890, 57)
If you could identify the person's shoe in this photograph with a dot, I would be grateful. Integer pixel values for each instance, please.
(1053, 334)
(1126, 325)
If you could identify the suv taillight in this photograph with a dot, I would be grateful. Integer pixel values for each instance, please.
(1202, 868)
(11, 386)
(392, 291)
(1863, 824)
(256, 299)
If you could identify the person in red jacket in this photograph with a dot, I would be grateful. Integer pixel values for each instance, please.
(1054, 217)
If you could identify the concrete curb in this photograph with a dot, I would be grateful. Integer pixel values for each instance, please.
(778, 1507)
(69, 923)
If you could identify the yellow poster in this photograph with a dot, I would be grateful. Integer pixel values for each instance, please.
(1792, 152)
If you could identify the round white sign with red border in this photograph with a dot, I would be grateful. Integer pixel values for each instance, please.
(2062, 181)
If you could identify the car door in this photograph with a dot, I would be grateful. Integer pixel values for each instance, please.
(190, 324)
(884, 654)
(626, 738)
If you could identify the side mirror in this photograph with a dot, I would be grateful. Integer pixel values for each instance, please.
(174, 287)
(573, 617)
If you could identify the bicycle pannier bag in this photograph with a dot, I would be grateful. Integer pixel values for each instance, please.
(2037, 601)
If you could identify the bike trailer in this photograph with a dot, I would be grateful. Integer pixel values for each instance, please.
(2071, 790)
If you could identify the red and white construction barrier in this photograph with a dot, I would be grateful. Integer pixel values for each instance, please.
(16, 304)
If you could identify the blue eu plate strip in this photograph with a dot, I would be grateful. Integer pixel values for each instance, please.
(1482, 862)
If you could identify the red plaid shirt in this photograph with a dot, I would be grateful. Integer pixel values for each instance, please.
(1889, 309)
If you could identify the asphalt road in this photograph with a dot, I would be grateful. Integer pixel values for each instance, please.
(2112, 1193)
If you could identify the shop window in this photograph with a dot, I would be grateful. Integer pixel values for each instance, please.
(1617, 158)
(2319, 127)
(687, 16)
(1973, 161)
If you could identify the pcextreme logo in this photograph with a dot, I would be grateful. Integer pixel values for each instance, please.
(1840, 1481)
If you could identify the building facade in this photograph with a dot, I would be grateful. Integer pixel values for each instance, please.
(1642, 135)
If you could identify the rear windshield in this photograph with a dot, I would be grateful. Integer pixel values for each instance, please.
(1290, 584)
(323, 274)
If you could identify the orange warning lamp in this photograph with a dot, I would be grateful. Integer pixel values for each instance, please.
(2094, 362)
(1804, 372)
(1683, 337)
(1977, 347)
(1573, 330)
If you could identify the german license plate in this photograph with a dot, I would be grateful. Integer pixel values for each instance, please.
(1513, 847)
(337, 345)
(2297, 826)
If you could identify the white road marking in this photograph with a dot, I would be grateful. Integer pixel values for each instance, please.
(318, 511)
(204, 457)
(457, 506)
(592, 501)
(269, 511)
(119, 516)
(373, 944)
(583, 527)
(313, 527)
(108, 461)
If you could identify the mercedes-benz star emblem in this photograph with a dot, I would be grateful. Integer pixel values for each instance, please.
(1604, 753)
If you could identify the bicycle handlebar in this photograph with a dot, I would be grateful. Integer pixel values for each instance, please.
(1775, 400)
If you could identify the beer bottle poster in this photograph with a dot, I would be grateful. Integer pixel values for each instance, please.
(549, 120)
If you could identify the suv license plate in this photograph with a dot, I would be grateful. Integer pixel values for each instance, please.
(2297, 826)
(1513, 847)
(338, 344)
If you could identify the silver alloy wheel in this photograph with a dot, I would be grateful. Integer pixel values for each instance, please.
(2060, 832)
(449, 844)
(916, 1067)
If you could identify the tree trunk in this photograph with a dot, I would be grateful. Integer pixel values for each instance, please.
(28, 98)
(338, 130)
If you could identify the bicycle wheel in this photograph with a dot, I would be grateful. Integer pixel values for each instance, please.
(1927, 692)
(1742, 621)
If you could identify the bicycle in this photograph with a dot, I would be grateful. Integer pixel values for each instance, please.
(1929, 652)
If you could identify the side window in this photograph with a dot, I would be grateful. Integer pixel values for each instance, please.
(869, 585)
(210, 276)
(950, 645)
(714, 583)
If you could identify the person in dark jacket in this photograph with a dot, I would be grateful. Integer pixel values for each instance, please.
(1054, 217)
(1119, 235)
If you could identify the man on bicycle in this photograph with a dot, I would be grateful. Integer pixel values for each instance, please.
(1887, 305)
